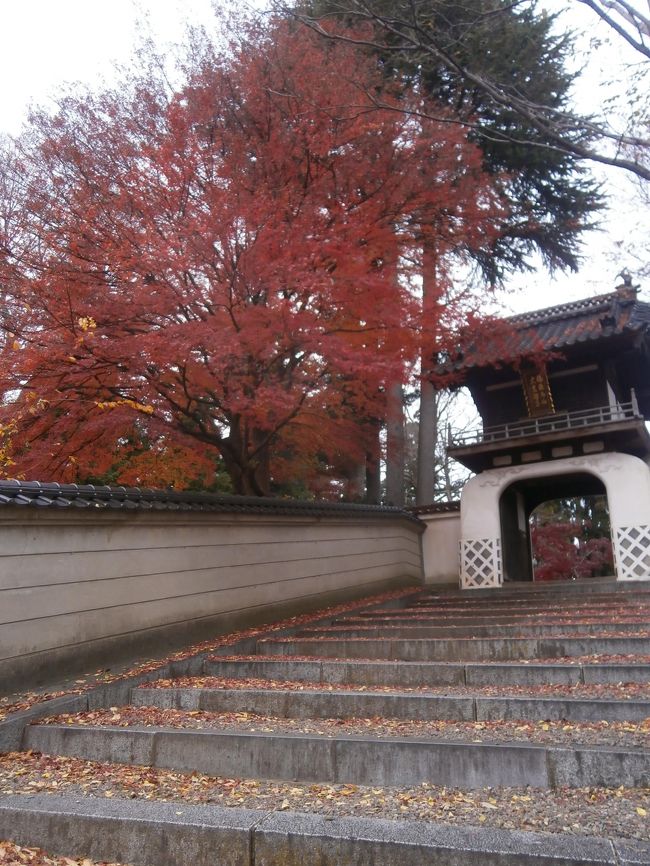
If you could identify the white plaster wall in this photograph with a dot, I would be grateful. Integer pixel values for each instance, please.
(440, 547)
(626, 479)
(74, 582)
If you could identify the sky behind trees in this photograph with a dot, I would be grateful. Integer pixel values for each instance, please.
(44, 45)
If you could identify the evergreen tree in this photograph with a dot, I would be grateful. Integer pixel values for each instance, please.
(406, 27)
(550, 197)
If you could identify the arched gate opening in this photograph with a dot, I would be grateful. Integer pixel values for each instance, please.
(496, 506)
(554, 557)
(571, 539)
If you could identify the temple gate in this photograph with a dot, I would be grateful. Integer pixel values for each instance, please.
(563, 399)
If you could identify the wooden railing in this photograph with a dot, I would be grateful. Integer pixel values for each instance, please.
(548, 424)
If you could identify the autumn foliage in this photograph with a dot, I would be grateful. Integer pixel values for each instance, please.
(208, 272)
(561, 552)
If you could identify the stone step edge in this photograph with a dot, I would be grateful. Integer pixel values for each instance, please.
(150, 834)
(502, 596)
(479, 649)
(550, 589)
(500, 630)
(341, 703)
(322, 671)
(119, 691)
(483, 619)
(348, 759)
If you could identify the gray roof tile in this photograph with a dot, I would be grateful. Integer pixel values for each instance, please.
(36, 494)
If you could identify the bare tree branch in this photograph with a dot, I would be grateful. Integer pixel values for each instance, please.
(640, 23)
(410, 33)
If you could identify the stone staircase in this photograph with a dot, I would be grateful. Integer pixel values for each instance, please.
(442, 664)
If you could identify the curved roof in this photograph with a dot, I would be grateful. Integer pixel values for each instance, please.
(579, 321)
(553, 329)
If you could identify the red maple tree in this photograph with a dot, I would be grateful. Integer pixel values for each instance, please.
(210, 269)
(561, 552)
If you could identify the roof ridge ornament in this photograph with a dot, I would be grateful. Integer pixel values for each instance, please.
(626, 289)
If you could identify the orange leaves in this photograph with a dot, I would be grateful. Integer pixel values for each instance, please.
(12, 855)
(582, 811)
(230, 267)
(621, 734)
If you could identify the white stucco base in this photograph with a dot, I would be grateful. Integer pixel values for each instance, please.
(627, 483)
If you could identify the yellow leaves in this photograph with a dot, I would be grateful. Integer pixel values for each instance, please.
(641, 811)
(87, 323)
(113, 404)
(38, 403)
(15, 345)
(6, 444)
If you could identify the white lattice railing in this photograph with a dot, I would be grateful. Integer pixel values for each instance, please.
(480, 563)
(632, 552)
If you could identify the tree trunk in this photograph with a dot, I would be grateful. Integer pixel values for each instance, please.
(427, 436)
(395, 445)
(373, 469)
(261, 463)
(356, 482)
(428, 429)
(449, 487)
(250, 476)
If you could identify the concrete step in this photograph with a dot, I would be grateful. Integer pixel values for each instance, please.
(172, 834)
(458, 649)
(434, 617)
(505, 602)
(345, 704)
(413, 630)
(502, 597)
(410, 674)
(348, 759)
(619, 593)
(591, 602)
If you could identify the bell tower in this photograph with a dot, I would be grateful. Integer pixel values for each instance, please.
(563, 396)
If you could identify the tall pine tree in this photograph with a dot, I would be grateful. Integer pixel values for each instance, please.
(550, 196)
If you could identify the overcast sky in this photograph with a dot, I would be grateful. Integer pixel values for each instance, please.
(44, 43)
